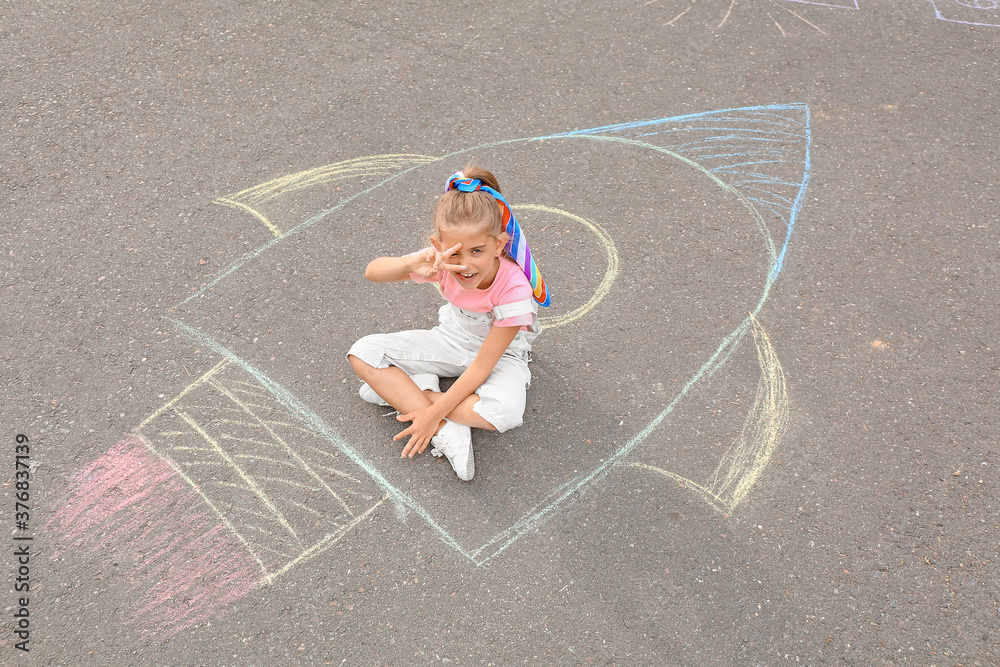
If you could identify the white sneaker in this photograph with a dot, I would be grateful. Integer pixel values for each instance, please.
(424, 381)
(454, 440)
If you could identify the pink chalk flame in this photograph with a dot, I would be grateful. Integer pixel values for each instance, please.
(184, 565)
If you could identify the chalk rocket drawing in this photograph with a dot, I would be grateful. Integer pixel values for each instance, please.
(268, 459)
(972, 12)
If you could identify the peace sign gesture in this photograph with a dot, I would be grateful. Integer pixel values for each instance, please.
(431, 260)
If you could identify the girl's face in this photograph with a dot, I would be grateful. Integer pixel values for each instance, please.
(479, 253)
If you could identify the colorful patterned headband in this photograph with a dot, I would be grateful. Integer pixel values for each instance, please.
(517, 245)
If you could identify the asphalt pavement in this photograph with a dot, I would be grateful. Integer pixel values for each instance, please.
(763, 419)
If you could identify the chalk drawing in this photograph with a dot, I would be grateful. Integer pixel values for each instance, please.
(551, 322)
(759, 155)
(255, 200)
(749, 455)
(843, 4)
(237, 480)
(780, 8)
(177, 563)
(217, 492)
(971, 12)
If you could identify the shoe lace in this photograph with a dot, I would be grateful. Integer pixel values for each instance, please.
(437, 447)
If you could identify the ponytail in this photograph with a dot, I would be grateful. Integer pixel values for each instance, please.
(464, 188)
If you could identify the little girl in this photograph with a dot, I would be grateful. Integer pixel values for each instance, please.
(481, 263)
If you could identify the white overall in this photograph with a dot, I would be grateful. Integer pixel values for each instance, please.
(449, 348)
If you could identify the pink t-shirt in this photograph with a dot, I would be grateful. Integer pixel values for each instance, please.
(509, 285)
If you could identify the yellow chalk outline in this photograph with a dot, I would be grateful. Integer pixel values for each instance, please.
(753, 449)
(194, 385)
(371, 165)
(322, 545)
(247, 479)
(609, 275)
(252, 211)
(306, 554)
(375, 165)
(288, 450)
(765, 423)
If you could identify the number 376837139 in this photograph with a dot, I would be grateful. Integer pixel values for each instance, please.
(22, 475)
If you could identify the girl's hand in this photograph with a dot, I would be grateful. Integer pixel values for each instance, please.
(430, 261)
(424, 427)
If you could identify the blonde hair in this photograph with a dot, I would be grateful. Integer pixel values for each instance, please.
(477, 208)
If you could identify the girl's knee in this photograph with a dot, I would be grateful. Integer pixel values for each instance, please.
(503, 398)
(503, 415)
(362, 369)
(501, 421)
(363, 353)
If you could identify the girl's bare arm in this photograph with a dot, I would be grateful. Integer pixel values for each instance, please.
(391, 269)
(425, 262)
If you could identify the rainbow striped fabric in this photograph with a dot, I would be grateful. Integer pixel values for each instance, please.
(517, 245)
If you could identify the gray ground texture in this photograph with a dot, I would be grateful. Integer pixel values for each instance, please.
(763, 421)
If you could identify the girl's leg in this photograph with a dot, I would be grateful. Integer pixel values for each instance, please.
(386, 362)
(393, 385)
